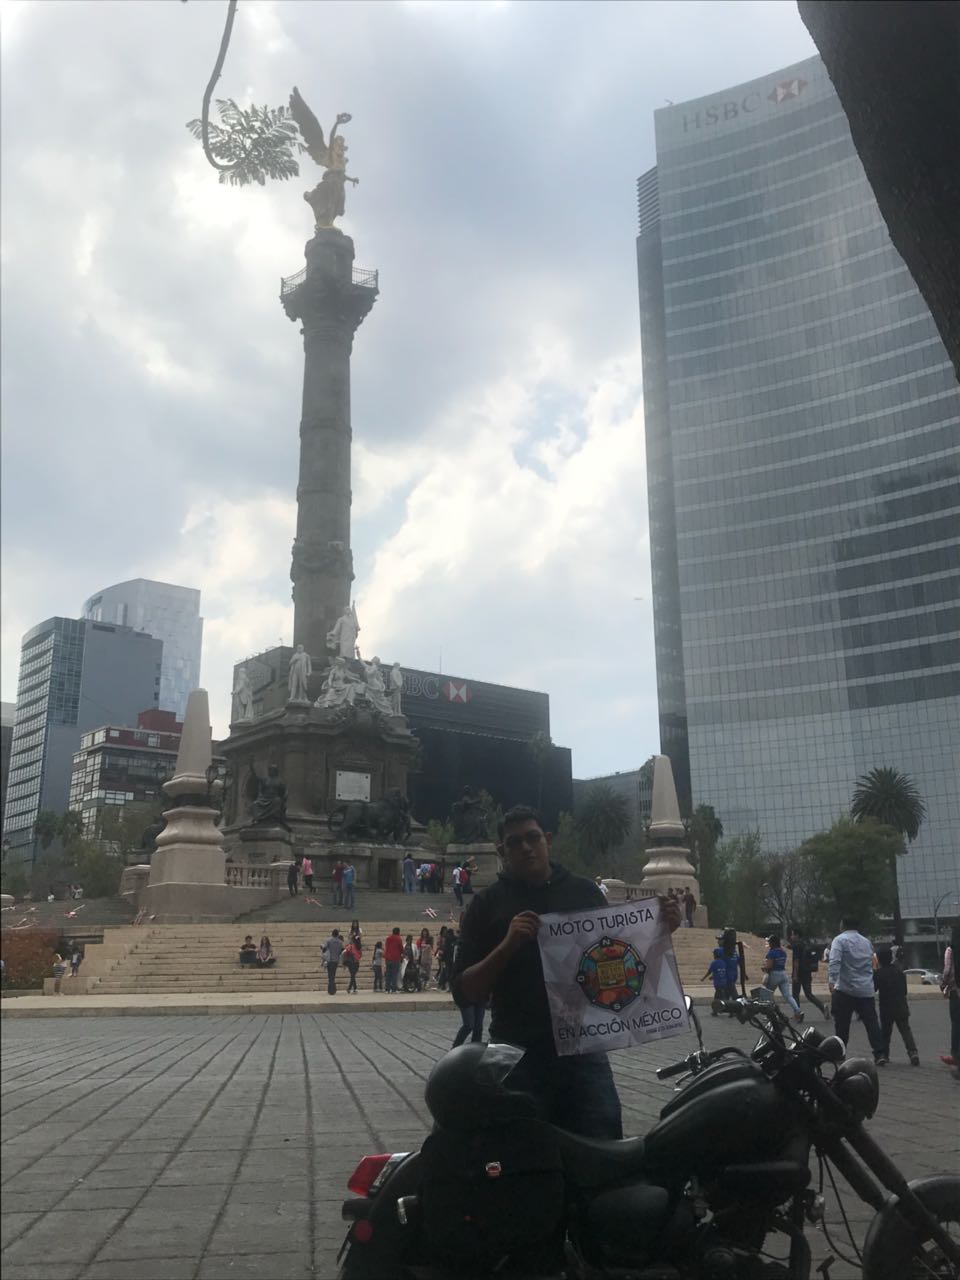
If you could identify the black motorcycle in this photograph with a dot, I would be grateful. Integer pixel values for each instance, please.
(719, 1189)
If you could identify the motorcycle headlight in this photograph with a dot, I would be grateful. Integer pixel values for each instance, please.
(857, 1083)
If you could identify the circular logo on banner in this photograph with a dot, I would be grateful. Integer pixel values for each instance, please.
(610, 974)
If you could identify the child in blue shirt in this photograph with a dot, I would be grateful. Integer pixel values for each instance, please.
(717, 970)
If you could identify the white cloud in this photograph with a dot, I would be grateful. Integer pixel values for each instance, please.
(151, 385)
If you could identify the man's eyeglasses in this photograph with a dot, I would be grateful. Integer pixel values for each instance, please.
(531, 838)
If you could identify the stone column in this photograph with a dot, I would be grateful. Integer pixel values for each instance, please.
(668, 864)
(331, 300)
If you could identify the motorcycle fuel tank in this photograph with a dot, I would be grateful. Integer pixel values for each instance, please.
(730, 1114)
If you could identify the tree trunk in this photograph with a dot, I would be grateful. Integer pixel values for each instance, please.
(897, 917)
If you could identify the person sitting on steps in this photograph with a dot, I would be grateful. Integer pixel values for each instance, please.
(248, 952)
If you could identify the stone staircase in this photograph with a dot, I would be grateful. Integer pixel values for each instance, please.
(181, 959)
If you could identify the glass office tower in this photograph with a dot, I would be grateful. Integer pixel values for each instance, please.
(171, 614)
(803, 440)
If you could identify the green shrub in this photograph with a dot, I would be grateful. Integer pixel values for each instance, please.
(28, 956)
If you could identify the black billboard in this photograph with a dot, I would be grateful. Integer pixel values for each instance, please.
(431, 699)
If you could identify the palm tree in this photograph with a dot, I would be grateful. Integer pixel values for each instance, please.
(603, 819)
(890, 797)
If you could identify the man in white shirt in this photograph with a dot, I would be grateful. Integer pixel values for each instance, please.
(457, 887)
(850, 975)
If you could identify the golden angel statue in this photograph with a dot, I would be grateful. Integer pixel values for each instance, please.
(327, 199)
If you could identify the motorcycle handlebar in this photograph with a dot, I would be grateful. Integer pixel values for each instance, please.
(664, 1073)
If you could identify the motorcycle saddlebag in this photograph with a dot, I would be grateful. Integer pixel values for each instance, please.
(491, 1193)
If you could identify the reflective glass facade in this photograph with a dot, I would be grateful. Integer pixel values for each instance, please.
(72, 673)
(171, 614)
(803, 430)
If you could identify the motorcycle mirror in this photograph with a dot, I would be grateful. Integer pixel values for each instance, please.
(689, 1004)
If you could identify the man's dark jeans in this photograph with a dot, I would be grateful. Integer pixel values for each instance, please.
(331, 978)
(393, 973)
(575, 1093)
(472, 1015)
(899, 1018)
(803, 983)
(844, 1006)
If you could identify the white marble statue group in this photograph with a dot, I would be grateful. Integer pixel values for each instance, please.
(343, 687)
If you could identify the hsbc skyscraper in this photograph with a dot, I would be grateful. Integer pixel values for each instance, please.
(803, 450)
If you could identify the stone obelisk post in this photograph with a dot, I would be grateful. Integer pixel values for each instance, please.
(331, 299)
(668, 865)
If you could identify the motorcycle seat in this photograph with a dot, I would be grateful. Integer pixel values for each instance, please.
(599, 1162)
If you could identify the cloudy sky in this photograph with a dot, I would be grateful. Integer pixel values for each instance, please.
(151, 382)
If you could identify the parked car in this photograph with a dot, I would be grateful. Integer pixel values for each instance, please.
(927, 977)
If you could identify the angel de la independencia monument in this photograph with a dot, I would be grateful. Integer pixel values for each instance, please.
(317, 732)
(319, 750)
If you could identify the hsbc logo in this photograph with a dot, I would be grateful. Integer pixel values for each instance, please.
(456, 691)
(789, 89)
(723, 112)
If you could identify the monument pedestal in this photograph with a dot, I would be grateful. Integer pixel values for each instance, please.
(263, 845)
(483, 854)
(323, 756)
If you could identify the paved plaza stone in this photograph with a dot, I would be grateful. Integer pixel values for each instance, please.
(218, 1148)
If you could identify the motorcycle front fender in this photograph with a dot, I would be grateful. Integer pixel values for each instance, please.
(888, 1246)
(383, 1256)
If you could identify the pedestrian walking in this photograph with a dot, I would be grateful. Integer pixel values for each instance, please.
(392, 957)
(337, 876)
(307, 868)
(426, 962)
(806, 961)
(331, 952)
(409, 874)
(440, 956)
(457, 888)
(410, 968)
(378, 965)
(59, 969)
(717, 972)
(851, 985)
(950, 986)
(471, 1015)
(351, 962)
(76, 959)
(731, 958)
(293, 875)
(689, 907)
(349, 876)
(891, 984)
(356, 934)
(775, 967)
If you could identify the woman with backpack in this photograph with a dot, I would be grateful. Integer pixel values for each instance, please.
(775, 968)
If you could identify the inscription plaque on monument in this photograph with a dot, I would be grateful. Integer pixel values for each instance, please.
(352, 786)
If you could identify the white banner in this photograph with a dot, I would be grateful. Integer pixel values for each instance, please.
(611, 978)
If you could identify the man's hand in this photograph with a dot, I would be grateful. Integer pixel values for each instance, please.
(670, 911)
(522, 929)
(832, 987)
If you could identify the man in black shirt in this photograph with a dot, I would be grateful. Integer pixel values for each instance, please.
(498, 958)
(804, 967)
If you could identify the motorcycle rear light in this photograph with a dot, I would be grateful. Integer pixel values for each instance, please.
(362, 1231)
(365, 1176)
